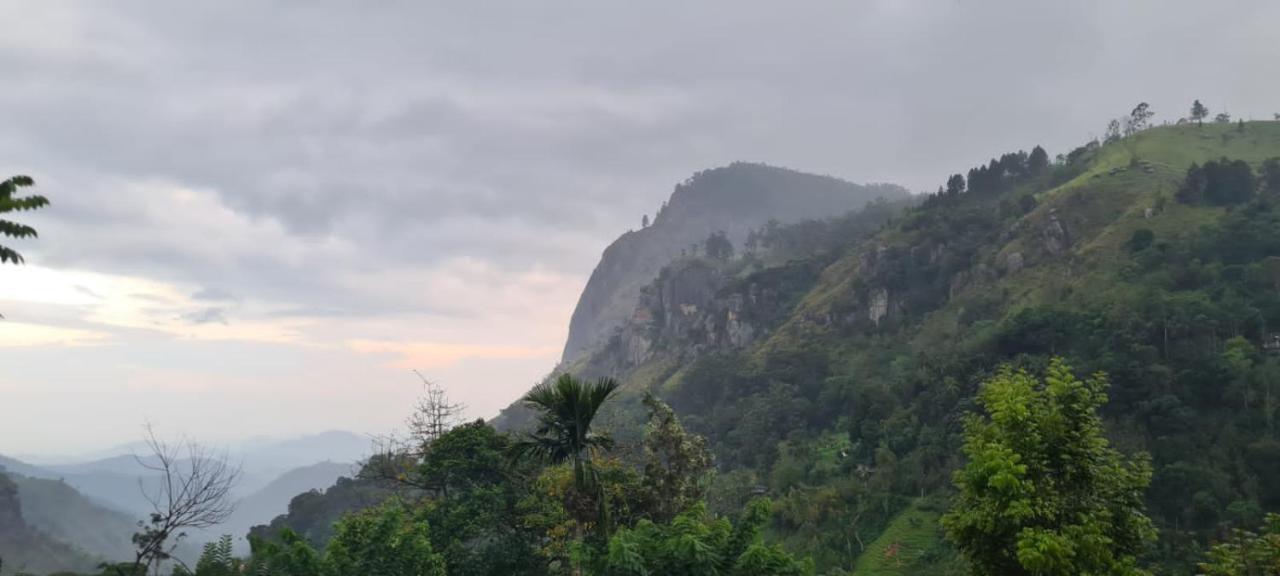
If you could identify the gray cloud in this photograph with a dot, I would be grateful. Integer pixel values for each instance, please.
(529, 137)
(440, 161)
(210, 315)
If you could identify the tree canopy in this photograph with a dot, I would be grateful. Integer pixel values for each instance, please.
(1043, 492)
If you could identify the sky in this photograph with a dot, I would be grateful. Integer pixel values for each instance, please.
(266, 214)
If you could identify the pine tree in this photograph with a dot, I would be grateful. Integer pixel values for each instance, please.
(1199, 112)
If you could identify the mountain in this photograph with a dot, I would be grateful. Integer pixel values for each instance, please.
(60, 512)
(734, 199)
(24, 548)
(113, 481)
(273, 499)
(836, 378)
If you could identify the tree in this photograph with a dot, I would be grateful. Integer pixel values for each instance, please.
(289, 555)
(1247, 553)
(394, 458)
(1139, 119)
(1222, 118)
(217, 559)
(1140, 240)
(718, 246)
(955, 184)
(9, 202)
(1199, 112)
(474, 516)
(1043, 492)
(566, 408)
(697, 544)
(383, 541)
(678, 465)
(1113, 132)
(433, 415)
(644, 221)
(194, 491)
(1271, 176)
(1221, 182)
(1038, 162)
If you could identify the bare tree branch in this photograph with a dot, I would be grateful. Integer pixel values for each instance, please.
(194, 491)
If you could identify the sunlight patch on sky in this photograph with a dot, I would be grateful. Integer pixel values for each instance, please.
(428, 355)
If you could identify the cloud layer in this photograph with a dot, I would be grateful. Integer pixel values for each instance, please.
(265, 211)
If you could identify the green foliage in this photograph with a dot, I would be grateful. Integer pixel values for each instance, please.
(216, 559)
(696, 544)
(384, 541)
(288, 555)
(1199, 112)
(566, 409)
(1247, 553)
(1221, 183)
(1043, 492)
(678, 466)
(10, 202)
(718, 246)
(1141, 239)
(312, 515)
(476, 522)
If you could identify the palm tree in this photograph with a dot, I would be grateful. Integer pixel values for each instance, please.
(10, 203)
(567, 407)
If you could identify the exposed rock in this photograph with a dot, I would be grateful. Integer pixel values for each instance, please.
(1055, 235)
(1013, 263)
(879, 307)
(735, 199)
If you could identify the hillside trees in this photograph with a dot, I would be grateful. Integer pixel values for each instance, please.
(1043, 492)
(1247, 553)
(718, 246)
(1219, 182)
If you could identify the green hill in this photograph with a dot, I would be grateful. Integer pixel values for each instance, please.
(872, 338)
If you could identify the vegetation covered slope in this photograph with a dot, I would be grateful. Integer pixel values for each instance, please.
(732, 199)
(26, 549)
(60, 512)
(849, 409)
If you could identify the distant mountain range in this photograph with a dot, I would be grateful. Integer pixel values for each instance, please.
(95, 504)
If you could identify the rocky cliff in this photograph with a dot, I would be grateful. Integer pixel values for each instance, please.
(734, 199)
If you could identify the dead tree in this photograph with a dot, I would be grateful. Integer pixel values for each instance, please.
(193, 491)
(395, 457)
(433, 415)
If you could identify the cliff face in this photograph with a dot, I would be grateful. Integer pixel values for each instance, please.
(734, 199)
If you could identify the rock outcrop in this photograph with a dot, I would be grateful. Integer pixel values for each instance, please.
(735, 199)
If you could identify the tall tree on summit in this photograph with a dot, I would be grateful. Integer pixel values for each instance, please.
(1199, 112)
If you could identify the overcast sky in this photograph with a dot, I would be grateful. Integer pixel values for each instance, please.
(266, 213)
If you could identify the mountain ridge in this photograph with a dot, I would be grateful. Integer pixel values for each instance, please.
(733, 199)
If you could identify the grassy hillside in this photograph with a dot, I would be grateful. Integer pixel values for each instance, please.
(1095, 257)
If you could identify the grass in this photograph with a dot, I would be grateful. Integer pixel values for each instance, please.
(911, 544)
